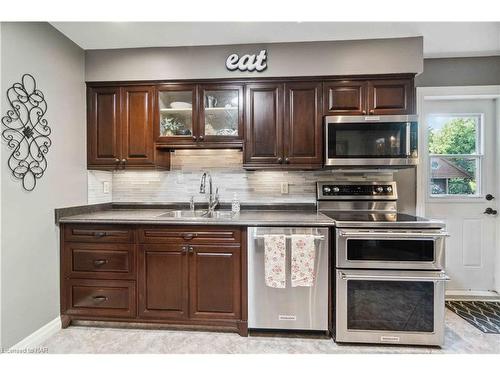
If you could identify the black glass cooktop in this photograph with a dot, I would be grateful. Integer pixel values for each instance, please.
(369, 219)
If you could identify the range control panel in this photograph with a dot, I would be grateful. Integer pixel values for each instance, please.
(363, 190)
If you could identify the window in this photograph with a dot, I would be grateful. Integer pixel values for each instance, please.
(455, 155)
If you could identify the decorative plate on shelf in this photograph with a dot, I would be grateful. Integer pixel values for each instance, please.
(180, 105)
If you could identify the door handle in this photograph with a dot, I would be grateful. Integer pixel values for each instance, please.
(489, 197)
(490, 211)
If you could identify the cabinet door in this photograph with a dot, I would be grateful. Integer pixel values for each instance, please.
(163, 281)
(221, 113)
(137, 125)
(345, 97)
(303, 136)
(264, 124)
(103, 126)
(390, 97)
(215, 282)
(176, 121)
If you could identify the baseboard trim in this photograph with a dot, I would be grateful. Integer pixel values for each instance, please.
(471, 295)
(40, 335)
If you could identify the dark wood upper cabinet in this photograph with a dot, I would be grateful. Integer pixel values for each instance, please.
(220, 114)
(345, 97)
(215, 282)
(303, 136)
(137, 125)
(163, 281)
(264, 124)
(390, 97)
(103, 126)
(120, 122)
(176, 121)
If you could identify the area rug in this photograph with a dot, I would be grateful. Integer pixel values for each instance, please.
(482, 315)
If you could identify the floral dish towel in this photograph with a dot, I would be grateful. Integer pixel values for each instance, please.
(303, 254)
(274, 260)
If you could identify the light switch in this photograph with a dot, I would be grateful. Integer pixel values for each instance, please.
(284, 188)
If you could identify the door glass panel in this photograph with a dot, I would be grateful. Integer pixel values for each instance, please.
(367, 140)
(390, 305)
(454, 146)
(391, 250)
(221, 112)
(176, 113)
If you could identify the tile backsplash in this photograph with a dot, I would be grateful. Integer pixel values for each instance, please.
(225, 166)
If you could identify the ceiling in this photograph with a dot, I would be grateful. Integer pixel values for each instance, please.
(441, 39)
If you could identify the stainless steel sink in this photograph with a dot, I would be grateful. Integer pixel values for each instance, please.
(200, 214)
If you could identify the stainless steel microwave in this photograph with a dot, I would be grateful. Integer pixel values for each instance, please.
(371, 140)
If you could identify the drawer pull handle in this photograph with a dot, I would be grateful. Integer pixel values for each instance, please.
(100, 262)
(100, 298)
(99, 234)
(189, 236)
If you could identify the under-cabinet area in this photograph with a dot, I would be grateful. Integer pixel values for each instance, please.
(174, 275)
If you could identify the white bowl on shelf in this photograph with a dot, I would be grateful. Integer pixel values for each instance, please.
(180, 105)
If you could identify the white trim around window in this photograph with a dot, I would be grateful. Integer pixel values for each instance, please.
(444, 93)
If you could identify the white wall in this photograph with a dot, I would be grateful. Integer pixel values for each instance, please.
(377, 56)
(30, 243)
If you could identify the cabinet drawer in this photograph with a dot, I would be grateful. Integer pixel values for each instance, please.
(106, 261)
(100, 298)
(195, 235)
(98, 233)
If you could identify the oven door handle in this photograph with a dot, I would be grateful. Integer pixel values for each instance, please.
(442, 277)
(394, 235)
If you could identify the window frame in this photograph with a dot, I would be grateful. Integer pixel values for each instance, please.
(478, 156)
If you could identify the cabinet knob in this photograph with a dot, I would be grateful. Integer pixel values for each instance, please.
(190, 249)
(201, 138)
(372, 111)
(287, 160)
(117, 160)
(364, 112)
(280, 160)
(184, 250)
(194, 138)
(124, 161)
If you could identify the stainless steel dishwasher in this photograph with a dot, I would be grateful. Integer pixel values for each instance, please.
(294, 308)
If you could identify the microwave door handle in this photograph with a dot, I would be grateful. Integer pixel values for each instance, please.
(408, 135)
(442, 277)
(389, 235)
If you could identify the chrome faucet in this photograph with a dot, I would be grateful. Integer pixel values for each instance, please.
(212, 199)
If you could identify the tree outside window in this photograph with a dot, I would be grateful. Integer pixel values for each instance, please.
(454, 157)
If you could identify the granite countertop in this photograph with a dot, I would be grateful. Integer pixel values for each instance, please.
(252, 217)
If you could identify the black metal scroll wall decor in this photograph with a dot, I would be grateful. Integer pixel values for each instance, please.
(26, 131)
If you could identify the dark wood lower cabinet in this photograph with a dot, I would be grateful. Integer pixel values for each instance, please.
(179, 279)
(163, 281)
(215, 282)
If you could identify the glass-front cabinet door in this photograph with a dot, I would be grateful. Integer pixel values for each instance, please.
(221, 114)
(177, 113)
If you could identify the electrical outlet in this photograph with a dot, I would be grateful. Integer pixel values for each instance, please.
(284, 188)
(105, 187)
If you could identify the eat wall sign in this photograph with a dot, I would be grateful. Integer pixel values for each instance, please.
(248, 63)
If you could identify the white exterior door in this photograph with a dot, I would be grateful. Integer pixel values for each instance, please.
(457, 172)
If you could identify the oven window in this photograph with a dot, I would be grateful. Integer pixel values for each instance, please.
(390, 305)
(391, 250)
(367, 140)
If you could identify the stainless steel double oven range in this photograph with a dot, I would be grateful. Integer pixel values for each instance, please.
(389, 279)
